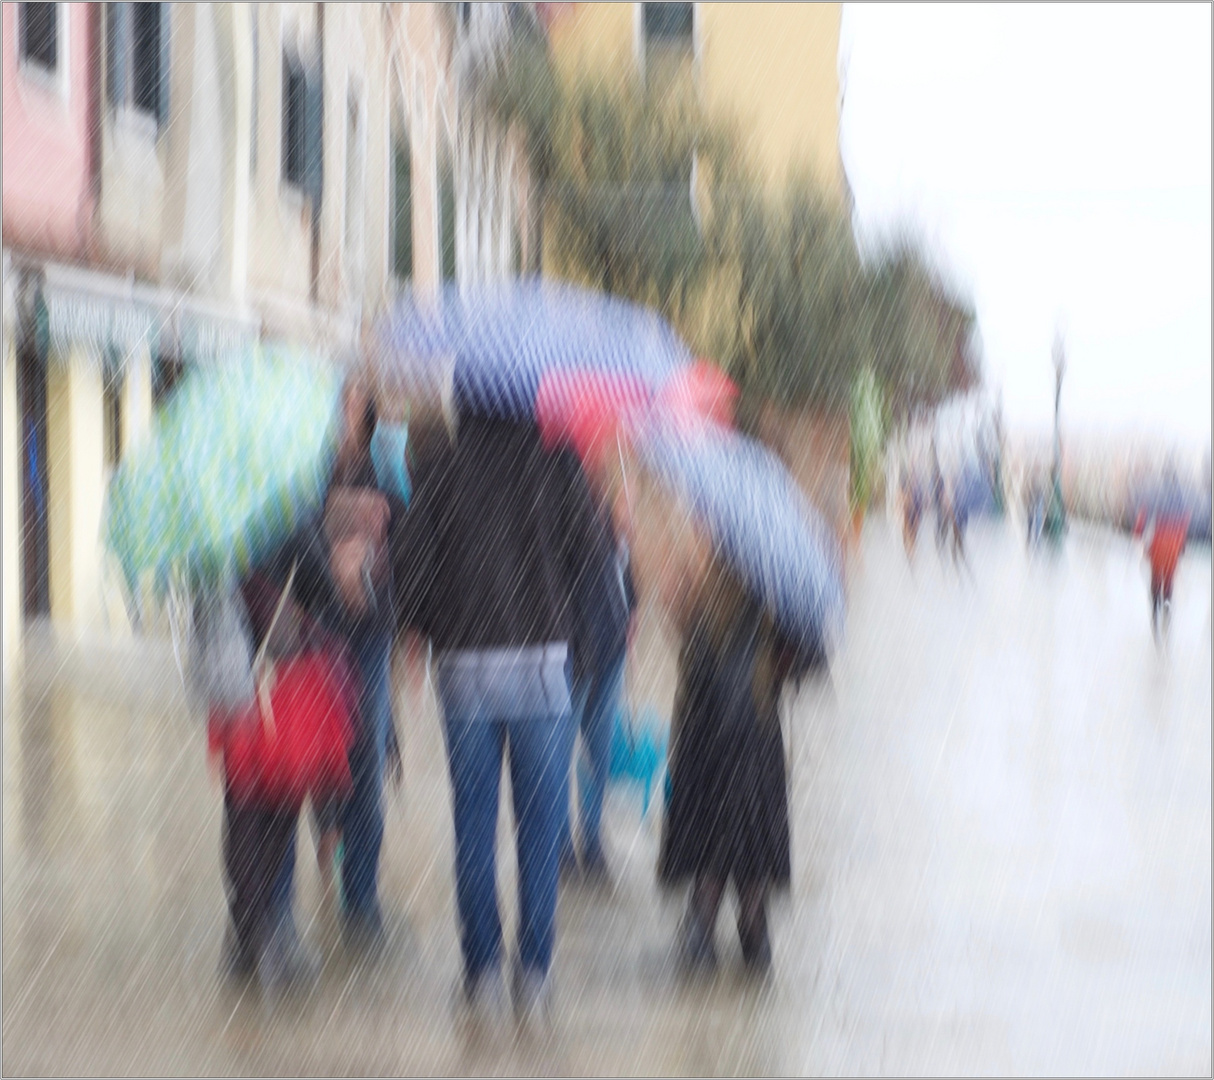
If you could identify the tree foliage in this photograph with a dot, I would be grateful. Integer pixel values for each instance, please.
(771, 285)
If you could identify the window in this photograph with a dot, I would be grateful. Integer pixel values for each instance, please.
(402, 206)
(138, 40)
(668, 23)
(446, 217)
(38, 33)
(112, 420)
(301, 126)
(294, 137)
(668, 36)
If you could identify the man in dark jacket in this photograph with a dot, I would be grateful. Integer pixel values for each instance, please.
(605, 606)
(489, 560)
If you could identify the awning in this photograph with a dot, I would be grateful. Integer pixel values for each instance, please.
(107, 331)
(108, 321)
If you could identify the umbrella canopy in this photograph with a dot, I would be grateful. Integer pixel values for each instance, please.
(241, 452)
(497, 343)
(758, 520)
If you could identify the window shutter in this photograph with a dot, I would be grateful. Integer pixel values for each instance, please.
(314, 156)
(117, 50)
(166, 50)
(402, 208)
(446, 196)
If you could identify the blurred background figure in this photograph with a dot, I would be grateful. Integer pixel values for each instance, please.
(912, 510)
(606, 605)
(1167, 516)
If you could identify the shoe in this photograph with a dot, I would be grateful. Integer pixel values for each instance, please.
(756, 953)
(568, 868)
(483, 999)
(285, 962)
(594, 868)
(235, 963)
(532, 997)
(365, 934)
(697, 950)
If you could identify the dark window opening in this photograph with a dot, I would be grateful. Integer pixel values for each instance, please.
(668, 24)
(402, 207)
(145, 57)
(35, 480)
(112, 420)
(39, 34)
(138, 41)
(294, 94)
(669, 41)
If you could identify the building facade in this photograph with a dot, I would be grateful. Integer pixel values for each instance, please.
(181, 180)
(773, 68)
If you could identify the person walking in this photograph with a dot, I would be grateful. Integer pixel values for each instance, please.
(1169, 535)
(259, 814)
(489, 563)
(727, 818)
(605, 607)
(346, 581)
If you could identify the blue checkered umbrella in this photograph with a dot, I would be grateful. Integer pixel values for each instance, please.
(503, 339)
(758, 519)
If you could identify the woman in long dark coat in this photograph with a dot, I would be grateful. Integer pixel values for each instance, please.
(728, 812)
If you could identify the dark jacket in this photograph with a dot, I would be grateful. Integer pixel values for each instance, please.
(605, 603)
(497, 537)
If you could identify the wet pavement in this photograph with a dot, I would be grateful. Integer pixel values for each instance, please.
(1001, 801)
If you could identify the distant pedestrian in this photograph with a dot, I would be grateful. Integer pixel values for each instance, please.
(1170, 520)
(958, 516)
(912, 511)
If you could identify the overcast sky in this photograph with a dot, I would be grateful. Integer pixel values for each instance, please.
(1058, 158)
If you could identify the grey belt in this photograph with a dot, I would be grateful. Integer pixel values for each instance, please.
(505, 684)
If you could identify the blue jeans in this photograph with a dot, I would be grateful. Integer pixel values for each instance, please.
(540, 749)
(361, 816)
(596, 700)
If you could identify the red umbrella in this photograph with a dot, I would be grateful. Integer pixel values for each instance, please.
(590, 410)
(587, 409)
(698, 392)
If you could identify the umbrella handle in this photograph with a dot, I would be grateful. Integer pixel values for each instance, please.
(259, 660)
(264, 700)
(623, 472)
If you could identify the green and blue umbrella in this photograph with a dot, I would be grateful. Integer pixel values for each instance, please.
(239, 456)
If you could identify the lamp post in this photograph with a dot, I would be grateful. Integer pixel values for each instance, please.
(1055, 517)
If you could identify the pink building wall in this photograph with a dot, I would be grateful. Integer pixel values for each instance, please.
(48, 141)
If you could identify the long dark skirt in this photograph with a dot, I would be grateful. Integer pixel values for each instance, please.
(728, 813)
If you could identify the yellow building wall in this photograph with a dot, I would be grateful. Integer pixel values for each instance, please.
(772, 67)
(594, 37)
(76, 482)
(12, 495)
(776, 68)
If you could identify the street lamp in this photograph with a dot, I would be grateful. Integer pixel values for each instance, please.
(1055, 518)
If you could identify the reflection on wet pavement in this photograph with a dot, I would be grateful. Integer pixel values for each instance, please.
(1001, 856)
